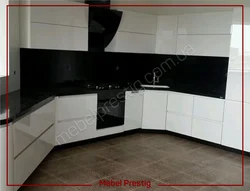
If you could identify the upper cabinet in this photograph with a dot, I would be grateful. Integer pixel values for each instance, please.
(136, 34)
(166, 34)
(63, 28)
(235, 61)
(205, 23)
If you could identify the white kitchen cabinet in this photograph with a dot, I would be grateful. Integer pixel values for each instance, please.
(179, 123)
(31, 126)
(207, 130)
(154, 110)
(133, 110)
(132, 42)
(232, 126)
(204, 45)
(208, 108)
(235, 58)
(180, 103)
(75, 130)
(76, 107)
(166, 34)
(32, 156)
(79, 39)
(205, 23)
(234, 86)
(138, 23)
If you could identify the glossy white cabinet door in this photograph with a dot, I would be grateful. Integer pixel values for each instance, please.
(76, 106)
(47, 36)
(154, 109)
(232, 127)
(235, 60)
(205, 23)
(75, 130)
(204, 45)
(132, 42)
(133, 110)
(166, 34)
(138, 23)
(207, 130)
(234, 86)
(208, 108)
(27, 129)
(28, 160)
(179, 124)
(180, 103)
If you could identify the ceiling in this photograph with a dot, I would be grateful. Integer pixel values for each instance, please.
(175, 10)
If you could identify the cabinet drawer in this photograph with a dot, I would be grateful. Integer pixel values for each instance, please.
(75, 130)
(179, 124)
(207, 130)
(28, 161)
(180, 103)
(208, 108)
(73, 107)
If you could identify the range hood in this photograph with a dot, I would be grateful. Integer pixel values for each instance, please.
(103, 25)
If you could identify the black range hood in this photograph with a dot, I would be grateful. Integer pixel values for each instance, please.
(103, 25)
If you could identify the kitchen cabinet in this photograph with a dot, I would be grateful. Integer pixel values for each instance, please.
(180, 103)
(154, 110)
(179, 123)
(31, 126)
(132, 42)
(133, 110)
(232, 126)
(76, 106)
(208, 108)
(205, 23)
(31, 157)
(166, 34)
(207, 130)
(234, 86)
(203, 45)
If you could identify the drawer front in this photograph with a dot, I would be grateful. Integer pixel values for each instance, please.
(75, 130)
(73, 107)
(28, 161)
(207, 130)
(179, 124)
(180, 103)
(208, 108)
(27, 129)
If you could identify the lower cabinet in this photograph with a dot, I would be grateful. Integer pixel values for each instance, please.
(207, 130)
(179, 124)
(232, 126)
(154, 110)
(31, 157)
(75, 130)
(133, 110)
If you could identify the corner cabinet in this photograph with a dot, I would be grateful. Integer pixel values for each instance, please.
(133, 110)
(154, 110)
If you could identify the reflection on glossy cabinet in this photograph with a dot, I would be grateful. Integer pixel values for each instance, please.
(154, 110)
(133, 110)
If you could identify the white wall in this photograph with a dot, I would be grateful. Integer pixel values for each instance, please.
(206, 35)
(14, 53)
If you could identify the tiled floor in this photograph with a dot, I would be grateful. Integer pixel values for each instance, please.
(159, 158)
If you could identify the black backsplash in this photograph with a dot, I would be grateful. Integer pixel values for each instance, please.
(192, 74)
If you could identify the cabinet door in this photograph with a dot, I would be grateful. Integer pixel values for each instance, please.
(154, 110)
(132, 42)
(207, 130)
(232, 127)
(179, 124)
(208, 108)
(133, 110)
